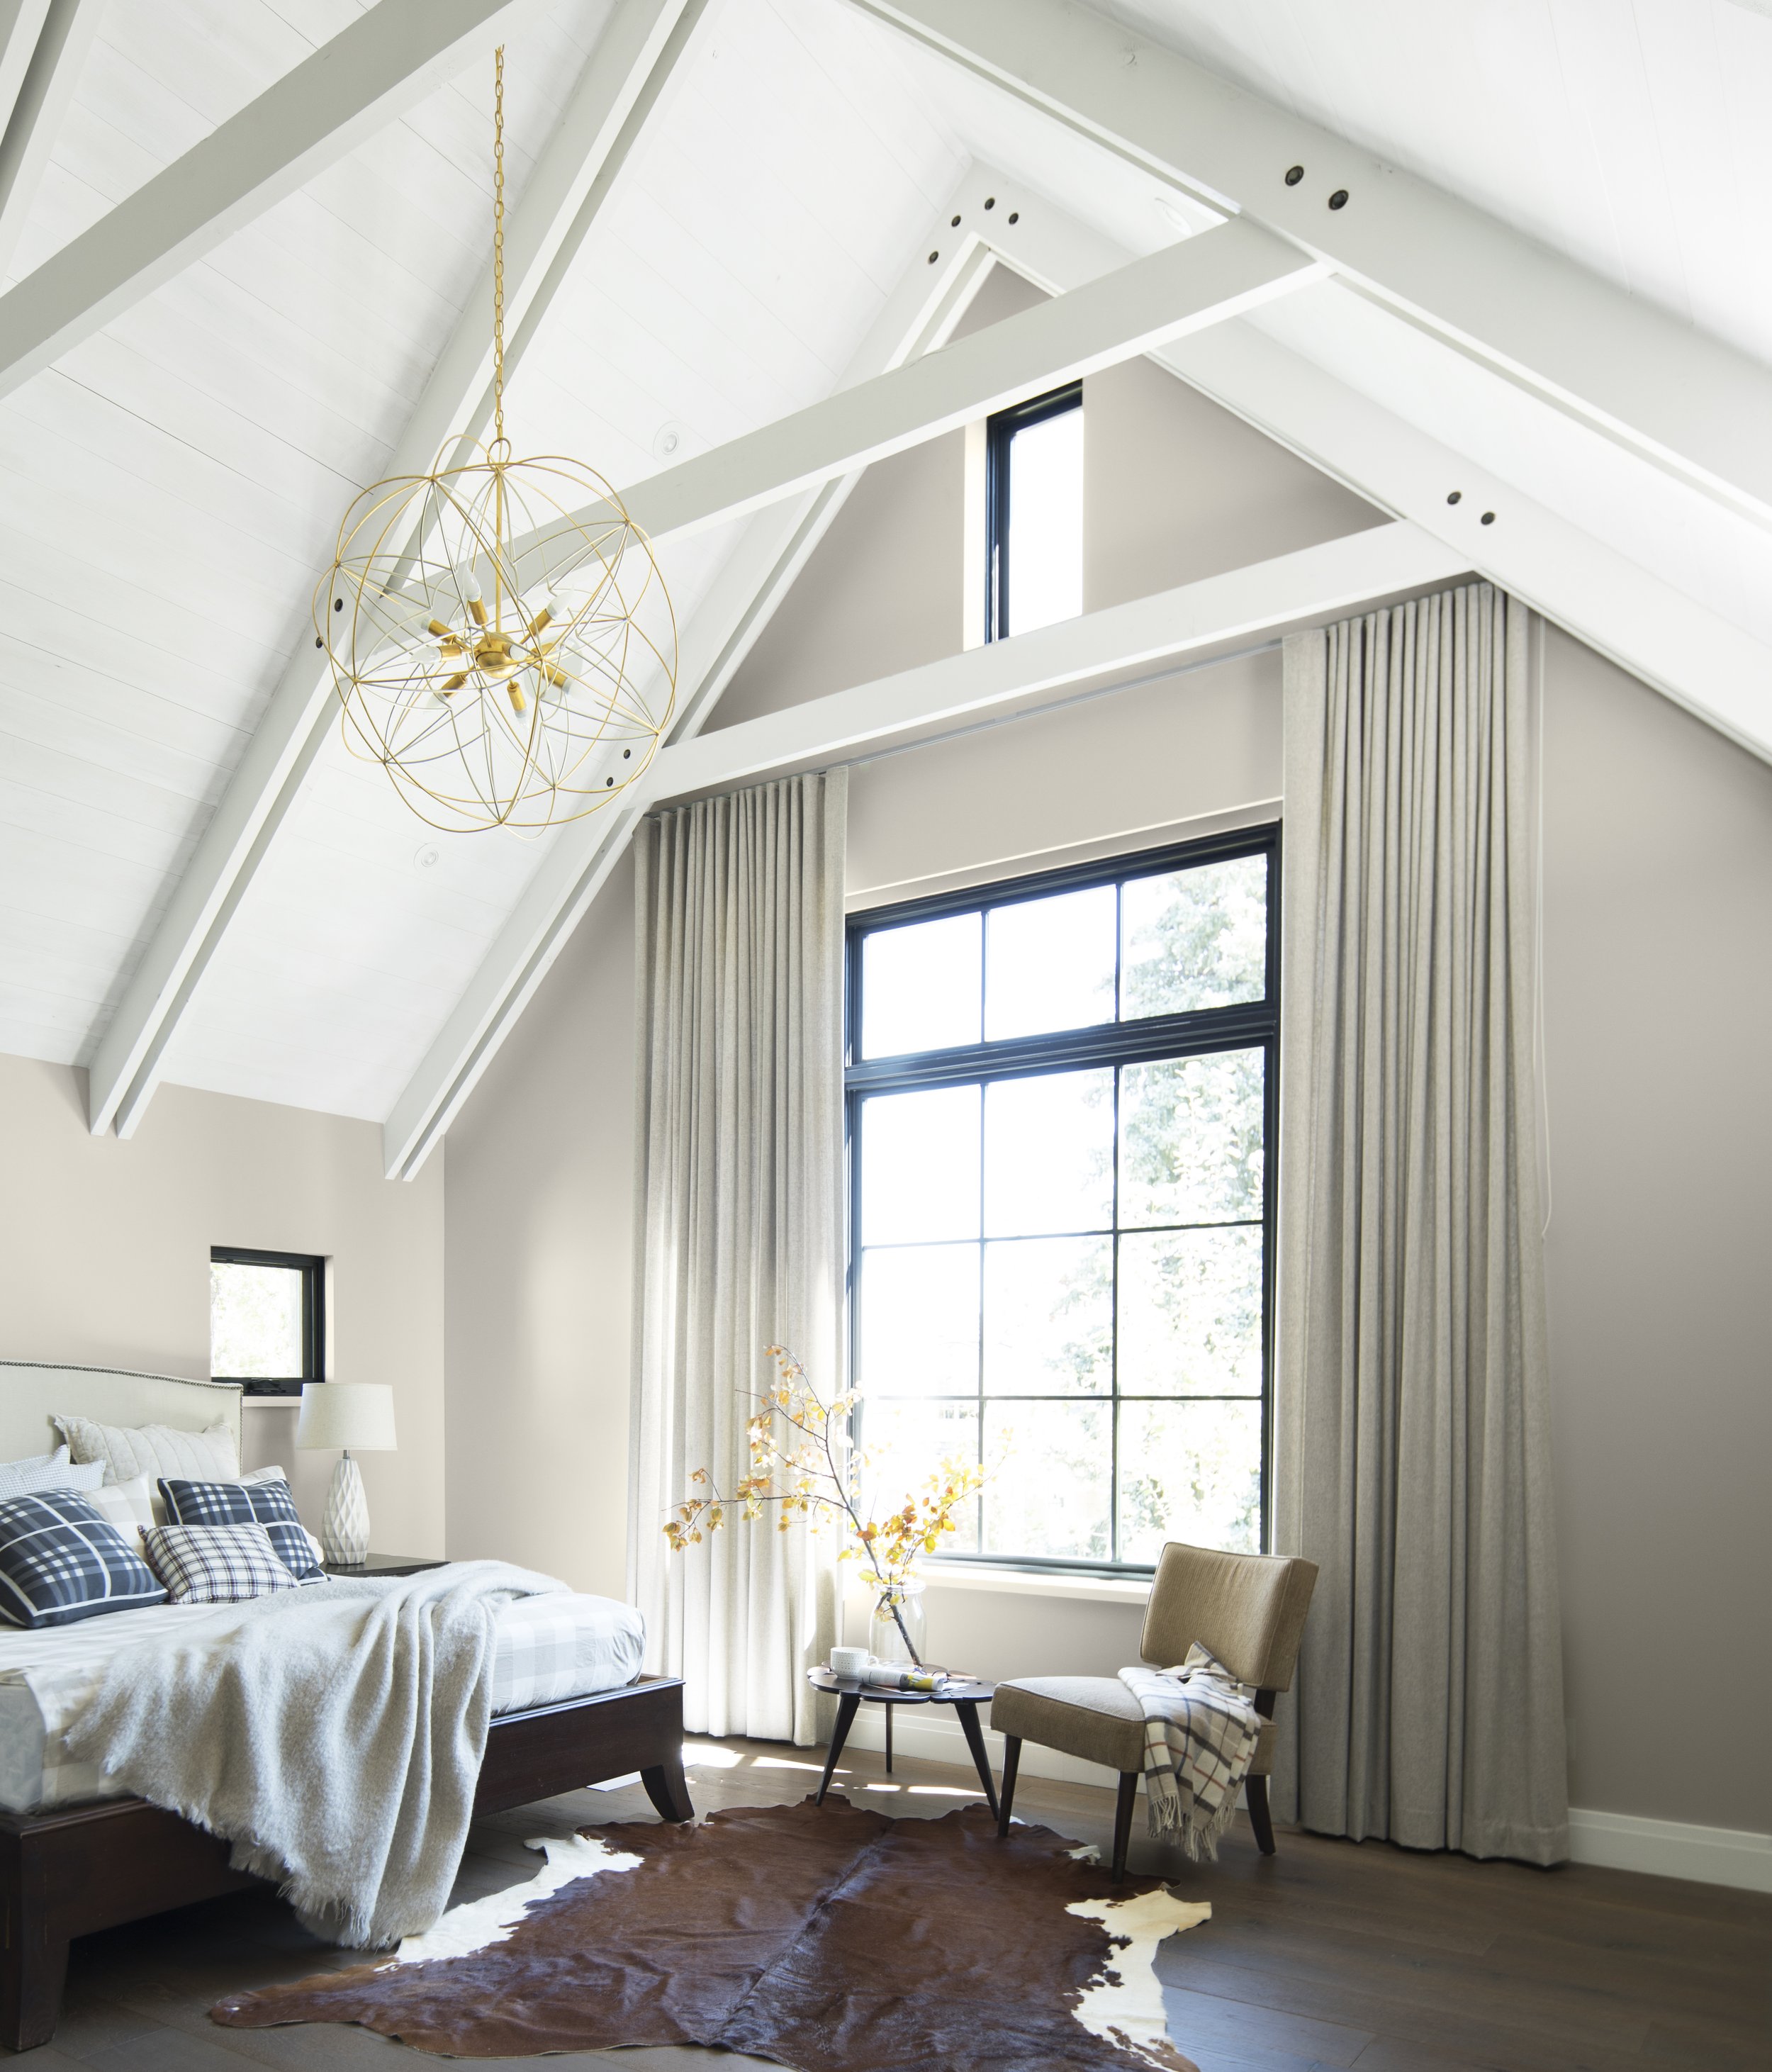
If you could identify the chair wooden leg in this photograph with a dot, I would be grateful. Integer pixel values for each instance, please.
(1255, 1791)
(1006, 1797)
(1129, 1797)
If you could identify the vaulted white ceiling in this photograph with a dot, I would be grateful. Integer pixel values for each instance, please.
(172, 483)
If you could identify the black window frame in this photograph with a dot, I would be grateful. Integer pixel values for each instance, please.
(312, 1269)
(1000, 432)
(1245, 1025)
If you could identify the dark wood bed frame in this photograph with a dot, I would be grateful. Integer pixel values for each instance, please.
(83, 1868)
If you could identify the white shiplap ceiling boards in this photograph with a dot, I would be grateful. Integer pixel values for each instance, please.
(171, 484)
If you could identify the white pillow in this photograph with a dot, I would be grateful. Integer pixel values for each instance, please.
(48, 1471)
(153, 1450)
(131, 1506)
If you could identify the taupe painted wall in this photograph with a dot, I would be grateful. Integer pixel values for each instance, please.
(1658, 984)
(540, 1271)
(105, 1260)
(1657, 1002)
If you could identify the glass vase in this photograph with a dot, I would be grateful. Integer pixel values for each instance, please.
(895, 1634)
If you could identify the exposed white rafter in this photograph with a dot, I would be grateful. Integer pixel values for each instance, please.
(617, 92)
(1185, 288)
(1693, 405)
(1314, 584)
(43, 46)
(1642, 621)
(385, 62)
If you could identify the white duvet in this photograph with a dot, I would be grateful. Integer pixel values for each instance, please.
(547, 1649)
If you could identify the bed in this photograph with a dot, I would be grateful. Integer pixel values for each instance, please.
(71, 1865)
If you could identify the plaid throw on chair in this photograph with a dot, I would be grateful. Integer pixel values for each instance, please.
(1200, 1736)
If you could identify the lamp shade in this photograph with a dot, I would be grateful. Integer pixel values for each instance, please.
(358, 1414)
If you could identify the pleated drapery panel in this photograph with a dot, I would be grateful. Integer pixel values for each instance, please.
(740, 1218)
(1412, 1443)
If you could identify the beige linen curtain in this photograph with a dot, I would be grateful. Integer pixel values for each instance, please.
(740, 1222)
(1412, 1447)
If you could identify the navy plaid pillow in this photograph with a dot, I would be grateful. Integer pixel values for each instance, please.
(267, 1504)
(60, 1561)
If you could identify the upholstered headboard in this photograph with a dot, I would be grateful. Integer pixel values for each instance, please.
(31, 1391)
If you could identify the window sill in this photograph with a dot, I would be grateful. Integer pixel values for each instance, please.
(1036, 1583)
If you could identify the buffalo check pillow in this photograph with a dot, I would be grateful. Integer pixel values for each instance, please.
(215, 1565)
(267, 1504)
(60, 1561)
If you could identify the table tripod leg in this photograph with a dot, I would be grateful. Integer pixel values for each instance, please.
(846, 1707)
(975, 1741)
(889, 1710)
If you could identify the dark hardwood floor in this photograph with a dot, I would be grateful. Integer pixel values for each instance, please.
(1327, 1956)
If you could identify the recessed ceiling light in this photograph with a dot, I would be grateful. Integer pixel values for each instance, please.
(1171, 213)
(428, 858)
(666, 441)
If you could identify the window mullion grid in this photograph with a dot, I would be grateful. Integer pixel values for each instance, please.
(1111, 1045)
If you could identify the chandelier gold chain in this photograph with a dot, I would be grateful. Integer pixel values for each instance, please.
(500, 633)
(498, 247)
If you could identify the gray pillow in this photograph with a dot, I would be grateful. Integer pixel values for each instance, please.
(48, 1471)
(127, 1451)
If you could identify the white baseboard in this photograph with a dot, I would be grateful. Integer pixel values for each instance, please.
(1671, 1849)
(1615, 1841)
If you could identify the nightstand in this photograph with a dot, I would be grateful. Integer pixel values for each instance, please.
(385, 1565)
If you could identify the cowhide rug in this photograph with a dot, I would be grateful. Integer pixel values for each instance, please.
(828, 1938)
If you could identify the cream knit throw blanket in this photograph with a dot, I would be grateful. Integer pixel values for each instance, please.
(1200, 1737)
(333, 1734)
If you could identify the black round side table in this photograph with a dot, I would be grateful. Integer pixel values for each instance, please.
(965, 1694)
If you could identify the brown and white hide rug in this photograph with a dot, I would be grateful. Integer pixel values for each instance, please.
(828, 1938)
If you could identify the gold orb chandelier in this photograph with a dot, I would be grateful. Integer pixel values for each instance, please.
(500, 634)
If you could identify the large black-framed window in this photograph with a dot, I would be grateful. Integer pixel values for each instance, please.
(1061, 1118)
(267, 1319)
(1033, 513)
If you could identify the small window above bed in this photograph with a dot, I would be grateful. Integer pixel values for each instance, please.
(267, 1319)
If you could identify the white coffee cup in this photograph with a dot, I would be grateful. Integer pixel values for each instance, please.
(850, 1661)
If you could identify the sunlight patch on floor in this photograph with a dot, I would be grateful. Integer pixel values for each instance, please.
(709, 1755)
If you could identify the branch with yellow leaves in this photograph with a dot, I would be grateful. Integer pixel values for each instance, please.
(804, 1468)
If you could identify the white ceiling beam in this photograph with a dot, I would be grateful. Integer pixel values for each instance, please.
(919, 316)
(21, 21)
(618, 92)
(1694, 404)
(1318, 583)
(1313, 585)
(44, 45)
(1205, 279)
(370, 73)
(1716, 669)
(1639, 620)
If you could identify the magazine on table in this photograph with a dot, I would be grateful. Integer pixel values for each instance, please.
(900, 1677)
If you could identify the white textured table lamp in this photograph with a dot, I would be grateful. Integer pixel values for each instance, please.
(347, 1414)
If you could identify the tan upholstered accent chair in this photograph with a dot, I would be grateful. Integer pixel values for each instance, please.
(1248, 1608)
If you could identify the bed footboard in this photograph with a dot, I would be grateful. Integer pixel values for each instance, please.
(85, 1868)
